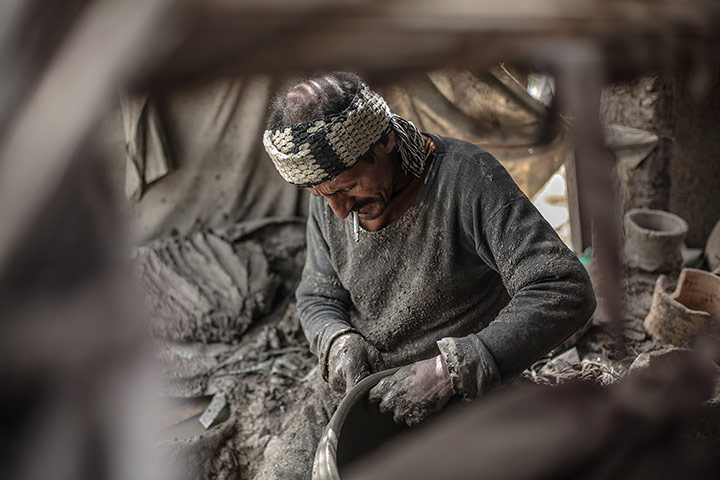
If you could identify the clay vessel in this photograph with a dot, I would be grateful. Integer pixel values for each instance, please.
(354, 430)
(692, 310)
(712, 248)
(653, 239)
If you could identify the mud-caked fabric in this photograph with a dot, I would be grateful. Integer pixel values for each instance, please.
(471, 262)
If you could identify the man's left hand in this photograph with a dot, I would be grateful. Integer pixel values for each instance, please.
(414, 392)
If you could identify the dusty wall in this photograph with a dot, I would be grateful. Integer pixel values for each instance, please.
(683, 174)
(645, 103)
(695, 159)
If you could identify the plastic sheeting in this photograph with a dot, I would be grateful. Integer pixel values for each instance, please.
(459, 104)
(196, 155)
(221, 173)
(630, 145)
(148, 159)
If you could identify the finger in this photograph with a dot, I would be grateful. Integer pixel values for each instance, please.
(389, 400)
(384, 386)
(402, 413)
(377, 363)
(410, 419)
(378, 391)
(336, 379)
(375, 394)
(405, 414)
(356, 374)
(399, 418)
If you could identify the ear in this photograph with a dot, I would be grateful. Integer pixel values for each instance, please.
(389, 142)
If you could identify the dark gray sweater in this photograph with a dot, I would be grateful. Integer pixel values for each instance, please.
(471, 270)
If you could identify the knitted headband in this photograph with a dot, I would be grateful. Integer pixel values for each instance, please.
(310, 153)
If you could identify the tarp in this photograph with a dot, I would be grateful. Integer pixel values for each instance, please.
(220, 173)
(193, 159)
(459, 104)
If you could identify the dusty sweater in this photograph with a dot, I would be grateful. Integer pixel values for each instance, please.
(470, 270)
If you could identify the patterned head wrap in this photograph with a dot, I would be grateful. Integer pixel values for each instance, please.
(310, 153)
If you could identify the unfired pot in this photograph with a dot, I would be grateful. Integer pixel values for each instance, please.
(692, 310)
(653, 239)
(355, 429)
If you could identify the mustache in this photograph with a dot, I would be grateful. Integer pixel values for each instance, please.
(361, 204)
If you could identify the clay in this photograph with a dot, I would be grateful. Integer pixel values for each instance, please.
(415, 392)
(211, 285)
(263, 378)
(568, 365)
(202, 288)
(653, 239)
(354, 425)
(712, 248)
(645, 103)
(694, 164)
(692, 310)
(289, 456)
(351, 359)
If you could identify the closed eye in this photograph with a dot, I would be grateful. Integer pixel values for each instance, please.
(346, 189)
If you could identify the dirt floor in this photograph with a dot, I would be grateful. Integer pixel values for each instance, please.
(261, 378)
(254, 369)
(600, 356)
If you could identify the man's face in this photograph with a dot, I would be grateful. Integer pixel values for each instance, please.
(365, 188)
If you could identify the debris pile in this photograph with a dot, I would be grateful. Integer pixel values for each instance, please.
(235, 362)
(211, 286)
(200, 288)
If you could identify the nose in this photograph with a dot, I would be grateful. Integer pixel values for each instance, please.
(341, 204)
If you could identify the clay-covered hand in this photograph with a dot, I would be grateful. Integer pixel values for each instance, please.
(414, 392)
(351, 358)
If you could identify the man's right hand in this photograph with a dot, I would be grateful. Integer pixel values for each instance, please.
(351, 358)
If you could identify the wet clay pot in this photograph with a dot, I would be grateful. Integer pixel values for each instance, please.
(692, 310)
(653, 239)
(355, 429)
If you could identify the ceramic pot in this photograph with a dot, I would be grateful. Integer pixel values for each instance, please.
(692, 310)
(653, 240)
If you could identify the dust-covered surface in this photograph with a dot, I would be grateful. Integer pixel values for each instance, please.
(695, 165)
(682, 175)
(262, 378)
(606, 355)
(270, 370)
(220, 173)
(202, 288)
(260, 373)
(211, 285)
(606, 351)
(645, 103)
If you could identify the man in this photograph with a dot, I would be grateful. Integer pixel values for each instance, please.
(422, 253)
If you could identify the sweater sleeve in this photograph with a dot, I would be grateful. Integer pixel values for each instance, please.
(551, 294)
(323, 302)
